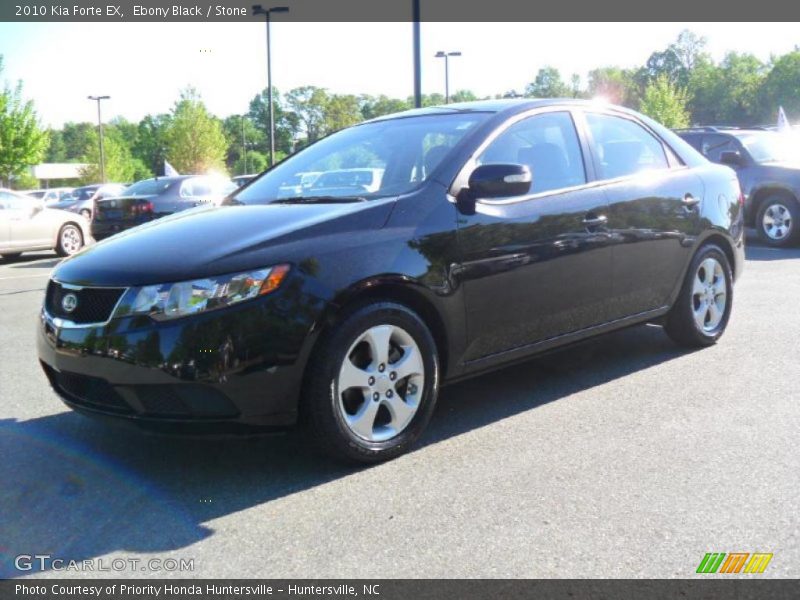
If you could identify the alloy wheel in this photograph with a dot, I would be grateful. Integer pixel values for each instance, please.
(777, 221)
(380, 383)
(709, 295)
(71, 240)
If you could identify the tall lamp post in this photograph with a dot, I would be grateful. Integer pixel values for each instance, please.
(446, 56)
(100, 135)
(268, 12)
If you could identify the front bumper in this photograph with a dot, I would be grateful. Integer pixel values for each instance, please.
(225, 371)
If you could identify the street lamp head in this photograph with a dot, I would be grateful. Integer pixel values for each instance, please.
(98, 97)
(279, 9)
(440, 54)
(258, 10)
(454, 53)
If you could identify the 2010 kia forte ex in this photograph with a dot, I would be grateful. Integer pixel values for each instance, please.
(417, 249)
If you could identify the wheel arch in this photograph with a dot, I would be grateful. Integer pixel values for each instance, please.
(400, 289)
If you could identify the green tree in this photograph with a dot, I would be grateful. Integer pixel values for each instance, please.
(120, 166)
(341, 111)
(665, 102)
(287, 123)
(256, 162)
(782, 88)
(56, 150)
(195, 142)
(76, 137)
(463, 96)
(22, 141)
(308, 103)
(382, 105)
(150, 147)
(615, 85)
(547, 84)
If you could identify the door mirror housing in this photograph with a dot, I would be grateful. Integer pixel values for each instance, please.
(500, 181)
(37, 207)
(732, 158)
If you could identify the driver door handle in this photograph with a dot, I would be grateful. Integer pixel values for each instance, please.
(591, 221)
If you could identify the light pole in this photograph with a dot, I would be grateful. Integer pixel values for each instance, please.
(100, 134)
(417, 56)
(267, 12)
(446, 56)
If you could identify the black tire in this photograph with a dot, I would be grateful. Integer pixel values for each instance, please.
(61, 249)
(680, 323)
(787, 206)
(321, 409)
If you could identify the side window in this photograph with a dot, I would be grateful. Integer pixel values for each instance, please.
(548, 144)
(715, 145)
(624, 147)
(195, 188)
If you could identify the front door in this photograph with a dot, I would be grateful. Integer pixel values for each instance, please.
(539, 265)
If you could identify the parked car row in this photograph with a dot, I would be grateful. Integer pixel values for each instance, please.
(27, 224)
(431, 246)
(767, 164)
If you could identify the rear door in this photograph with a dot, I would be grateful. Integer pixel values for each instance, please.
(5, 220)
(29, 226)
(654, 203)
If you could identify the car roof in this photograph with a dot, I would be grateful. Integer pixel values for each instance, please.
(508, 105)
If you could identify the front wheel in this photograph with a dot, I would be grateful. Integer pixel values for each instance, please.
(372, 384)
(70, 240)
(776, 221)
(703, 307)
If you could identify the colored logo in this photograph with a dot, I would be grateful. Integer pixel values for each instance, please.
(735, 562)
(69, 303)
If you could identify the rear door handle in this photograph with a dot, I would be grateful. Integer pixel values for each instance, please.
(690, 201)
(595, 221)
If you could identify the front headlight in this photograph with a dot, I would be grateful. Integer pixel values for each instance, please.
(175, 300)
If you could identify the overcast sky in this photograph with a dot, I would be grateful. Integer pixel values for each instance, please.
(143, 66)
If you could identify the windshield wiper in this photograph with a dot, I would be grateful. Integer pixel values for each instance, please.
(320, 200)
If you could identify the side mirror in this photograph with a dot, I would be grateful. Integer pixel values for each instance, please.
(732, 158)
(37, 207)
(500, 181)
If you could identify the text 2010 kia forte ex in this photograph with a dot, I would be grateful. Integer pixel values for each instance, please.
(344, 286)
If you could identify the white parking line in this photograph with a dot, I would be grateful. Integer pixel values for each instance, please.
(25, 276)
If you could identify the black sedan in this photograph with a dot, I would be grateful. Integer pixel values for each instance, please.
(152, 199)
(768, 166)
(498, 230)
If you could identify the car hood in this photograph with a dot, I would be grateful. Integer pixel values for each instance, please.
(212, 240)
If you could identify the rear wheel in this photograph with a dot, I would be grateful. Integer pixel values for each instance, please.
(70, 240)
(703, 306)
(776, 220)
(372, 384)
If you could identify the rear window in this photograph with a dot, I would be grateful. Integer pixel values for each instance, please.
(149, 187)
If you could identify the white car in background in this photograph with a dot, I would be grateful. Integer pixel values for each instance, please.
(50, 196)
(26, 225)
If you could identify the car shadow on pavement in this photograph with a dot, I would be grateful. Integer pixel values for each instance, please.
(765, 253)
(76, 489)
(35, 263)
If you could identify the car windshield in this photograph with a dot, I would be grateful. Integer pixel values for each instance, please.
(374, 160)
(148, 187)
(770, 147)
(83, 193)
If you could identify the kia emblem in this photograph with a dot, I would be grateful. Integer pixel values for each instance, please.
(69, 303)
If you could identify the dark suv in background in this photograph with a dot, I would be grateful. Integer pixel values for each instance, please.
(768, 166)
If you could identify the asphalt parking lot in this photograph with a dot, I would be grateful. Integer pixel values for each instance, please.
(620, 457)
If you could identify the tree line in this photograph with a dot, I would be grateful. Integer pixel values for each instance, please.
(678, 86)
